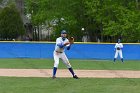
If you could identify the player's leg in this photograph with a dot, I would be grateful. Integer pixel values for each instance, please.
(116, 55)
(56, 63)
(121, 56)
(67, 63)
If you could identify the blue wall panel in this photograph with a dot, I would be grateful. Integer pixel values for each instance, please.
(92, 51)
(26, 50)
(78, 51)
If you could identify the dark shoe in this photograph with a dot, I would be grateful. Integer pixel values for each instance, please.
(75, 76)
(53, 77)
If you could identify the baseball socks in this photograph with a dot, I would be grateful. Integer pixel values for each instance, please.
(122, 59)
(72, 72)
(54, 72)
(114, 59)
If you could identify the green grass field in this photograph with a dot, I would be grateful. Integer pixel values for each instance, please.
(77, 64)
(69, 85)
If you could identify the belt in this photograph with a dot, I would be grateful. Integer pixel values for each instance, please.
(58, 52)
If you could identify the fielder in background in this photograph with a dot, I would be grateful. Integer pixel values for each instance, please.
(62, 43)
(118, 50)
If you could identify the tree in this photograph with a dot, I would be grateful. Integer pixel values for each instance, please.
(104, 19)
(10, 23)
(119, 18)
(53, 11)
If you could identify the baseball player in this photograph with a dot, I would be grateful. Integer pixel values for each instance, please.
(118, 50)
(62, 43)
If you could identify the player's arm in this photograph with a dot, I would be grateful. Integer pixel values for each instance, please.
(121, 46)
(68, 45)
(59, 43)
(115, 47)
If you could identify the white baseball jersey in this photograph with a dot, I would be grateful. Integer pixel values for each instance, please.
(120, 45)
(59, 41)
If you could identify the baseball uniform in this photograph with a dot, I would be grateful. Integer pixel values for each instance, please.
(118, 50)
(62, 43)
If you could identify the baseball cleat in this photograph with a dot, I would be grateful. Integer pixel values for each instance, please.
(53, 77)
(75, 76)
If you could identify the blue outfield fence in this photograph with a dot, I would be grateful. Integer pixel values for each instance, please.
(77, 51)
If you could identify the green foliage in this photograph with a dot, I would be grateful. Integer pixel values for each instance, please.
(1, 1)
(53, 11)
(114, 18)
(10, 23)
(43, 10)
(119, 18)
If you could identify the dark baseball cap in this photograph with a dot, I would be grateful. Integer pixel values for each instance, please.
(119, 40)
(63, 32)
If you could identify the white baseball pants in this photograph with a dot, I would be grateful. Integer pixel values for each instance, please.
(118, 52)
(62, 56)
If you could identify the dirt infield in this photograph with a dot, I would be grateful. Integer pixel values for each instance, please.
(66, 73)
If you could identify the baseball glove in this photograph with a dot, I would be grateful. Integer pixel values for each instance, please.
(71, 40)
(118, 48)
